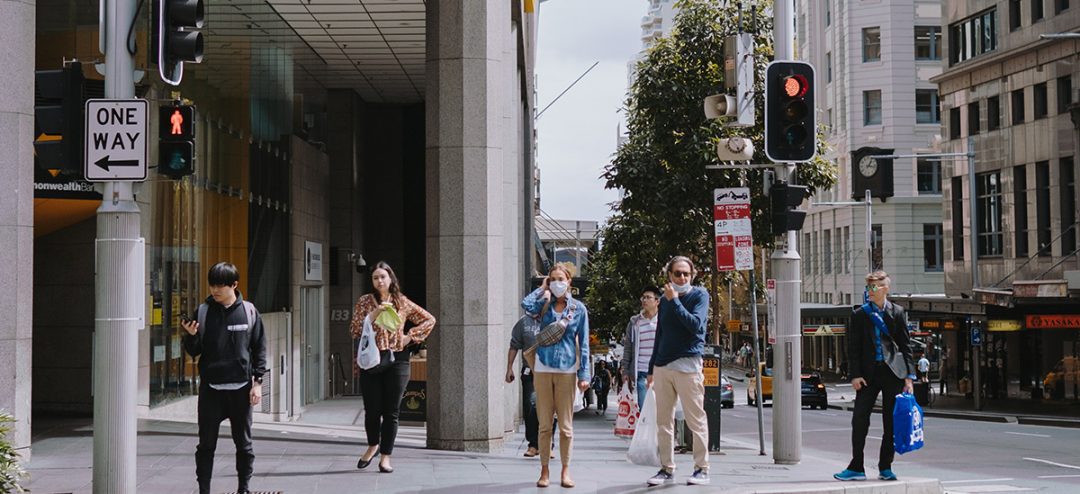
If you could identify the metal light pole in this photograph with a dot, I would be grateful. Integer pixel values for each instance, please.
(787, 270)
(120, 286)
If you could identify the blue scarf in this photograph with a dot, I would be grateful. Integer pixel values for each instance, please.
(878, 318)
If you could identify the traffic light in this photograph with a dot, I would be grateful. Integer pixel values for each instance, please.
(790, 133)
(176, 37)
(176, 145)
(785, 198)
(58, 120)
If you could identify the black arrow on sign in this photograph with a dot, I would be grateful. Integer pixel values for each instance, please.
(104, 163)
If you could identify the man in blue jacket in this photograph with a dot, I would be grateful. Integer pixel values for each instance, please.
(675, 369)
(227, 336)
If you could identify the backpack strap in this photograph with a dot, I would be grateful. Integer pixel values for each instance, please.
(249, 309)
(202, 315)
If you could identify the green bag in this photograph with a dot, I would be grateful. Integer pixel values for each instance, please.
(388, 319)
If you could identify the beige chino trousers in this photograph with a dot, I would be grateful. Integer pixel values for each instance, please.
(690, 390)
(555, 394)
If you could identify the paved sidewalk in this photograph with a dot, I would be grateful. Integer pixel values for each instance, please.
(302, 457)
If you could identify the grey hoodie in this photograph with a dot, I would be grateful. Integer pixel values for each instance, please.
(628, 362)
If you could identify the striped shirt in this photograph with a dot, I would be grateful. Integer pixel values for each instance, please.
(646, 330)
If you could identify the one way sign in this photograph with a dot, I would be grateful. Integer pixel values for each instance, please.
(115, 140)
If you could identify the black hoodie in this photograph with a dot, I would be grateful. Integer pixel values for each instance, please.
(232, 349)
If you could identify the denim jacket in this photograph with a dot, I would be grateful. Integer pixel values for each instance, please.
(561, 355)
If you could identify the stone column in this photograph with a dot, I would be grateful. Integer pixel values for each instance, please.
(465, 227)
(17, 25)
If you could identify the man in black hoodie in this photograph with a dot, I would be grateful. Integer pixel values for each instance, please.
(227, 336)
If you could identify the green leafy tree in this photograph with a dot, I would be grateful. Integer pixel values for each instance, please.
(666, 207)
(11, 471)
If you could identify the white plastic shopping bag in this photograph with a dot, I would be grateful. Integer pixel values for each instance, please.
(644, 449)
(579, 398)
(626, 421)
(367, 355)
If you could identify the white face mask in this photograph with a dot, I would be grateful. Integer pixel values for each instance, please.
(558, 288)
(681, 288)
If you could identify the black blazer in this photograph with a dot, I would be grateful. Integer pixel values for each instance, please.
(895, 347)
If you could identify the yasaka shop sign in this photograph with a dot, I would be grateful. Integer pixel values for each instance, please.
(1053, 321)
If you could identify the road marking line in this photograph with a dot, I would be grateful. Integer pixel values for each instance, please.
(1048, 462)
(1058, 476)
(974, 480)
(1027, 434)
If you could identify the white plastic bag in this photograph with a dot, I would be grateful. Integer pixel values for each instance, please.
(627, 419)
(367, 354)
(644, 449)
(579, 398)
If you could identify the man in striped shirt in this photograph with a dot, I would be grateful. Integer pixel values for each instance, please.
(638, 341)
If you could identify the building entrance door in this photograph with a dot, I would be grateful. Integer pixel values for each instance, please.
(311, 331)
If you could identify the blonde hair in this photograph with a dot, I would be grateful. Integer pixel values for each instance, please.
(879, 277)
(566, 267)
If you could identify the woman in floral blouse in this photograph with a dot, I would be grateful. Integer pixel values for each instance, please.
(384, 385)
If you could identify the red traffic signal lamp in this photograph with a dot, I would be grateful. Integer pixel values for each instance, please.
(790, 130)
(177, 122)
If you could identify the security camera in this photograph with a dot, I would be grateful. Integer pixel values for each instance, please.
(720, 105)
(358, 262)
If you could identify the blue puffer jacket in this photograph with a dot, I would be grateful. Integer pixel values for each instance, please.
(561, 355)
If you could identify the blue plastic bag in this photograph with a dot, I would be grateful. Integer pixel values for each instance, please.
(907, 424)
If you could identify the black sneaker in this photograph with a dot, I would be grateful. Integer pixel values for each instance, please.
(661, 477)
(700, 477)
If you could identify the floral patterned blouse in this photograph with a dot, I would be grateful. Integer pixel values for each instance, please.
(423, 320)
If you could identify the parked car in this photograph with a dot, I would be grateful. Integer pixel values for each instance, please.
(1063, 379)
(814, 393)
(766, 385)
(727, 393)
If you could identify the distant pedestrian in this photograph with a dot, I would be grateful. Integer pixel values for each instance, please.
(383, 385)
(638, 341)
(676, 369)
(601, 385)
(923, 368)
(560, 361)
(227, 335)
(521, 337)
(880, 364)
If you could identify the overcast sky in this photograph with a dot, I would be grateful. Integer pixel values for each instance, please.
(577, 135)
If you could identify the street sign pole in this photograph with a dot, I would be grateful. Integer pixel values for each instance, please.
(757, 362)
(120, 288)
(787, 269)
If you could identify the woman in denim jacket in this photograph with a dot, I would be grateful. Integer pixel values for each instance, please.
(560, 367)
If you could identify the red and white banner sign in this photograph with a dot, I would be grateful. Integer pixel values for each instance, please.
(734, 239)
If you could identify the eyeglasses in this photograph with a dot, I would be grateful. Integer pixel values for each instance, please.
(874, 288)
(680, 274)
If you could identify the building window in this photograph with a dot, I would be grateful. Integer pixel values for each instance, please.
(805, 247)
(933, 248)
(1067, 179)
(973, 36)
(1020, 209)
(871, 44)
(1064, 94)
(877, 247)
(828, 67)
(826, 251)
(993, 113)
(838, 254)
(957, 212)
(1014, 15)
(926, 106)
(872, 107)
(1040, 100)
(1060, 6)
(1042, 207)
(828, 13)
(929, 176)
(927, 42)
(1017, 98)
(1036, 11)
(829, 121)
(847, 250)
(814, 264)
(954, 123)
(988, 201)
(973, 118)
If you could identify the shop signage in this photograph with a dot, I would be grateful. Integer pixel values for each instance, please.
(1053, 321)
(733, 326)
(1004, 325)
(313, 259)
(937, 325)
(1041, 289)
(823, 329)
